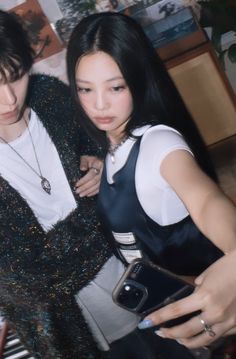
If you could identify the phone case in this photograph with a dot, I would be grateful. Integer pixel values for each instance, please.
(145, 287)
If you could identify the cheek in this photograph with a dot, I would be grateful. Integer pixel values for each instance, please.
(21, 95)
(21, 91)
(86, 105)
(84, 102)
(127, 104)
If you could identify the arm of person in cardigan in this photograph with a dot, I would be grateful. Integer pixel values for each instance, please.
(89, 184)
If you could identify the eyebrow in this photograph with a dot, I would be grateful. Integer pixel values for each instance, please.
(109, 80)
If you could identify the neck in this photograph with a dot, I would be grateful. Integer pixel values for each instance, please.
(11, 132)
(116, 139)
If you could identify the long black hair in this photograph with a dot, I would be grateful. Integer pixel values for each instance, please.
(155, 97)
(16, 54)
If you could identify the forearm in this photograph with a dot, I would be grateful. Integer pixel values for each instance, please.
(217, 220)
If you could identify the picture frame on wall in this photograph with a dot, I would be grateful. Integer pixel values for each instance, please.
(177, 23)
(43, 38)
(74, 10)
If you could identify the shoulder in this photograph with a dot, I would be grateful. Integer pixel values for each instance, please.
(160, 140)
(50, 99)
(40, 82)
(47, 90)
(163, 133)
(162, 137)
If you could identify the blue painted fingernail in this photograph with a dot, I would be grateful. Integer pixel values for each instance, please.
(146, 323)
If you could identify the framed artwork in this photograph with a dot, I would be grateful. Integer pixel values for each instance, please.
(43, 38)
(162, 31)
(75, 10)
(218, 18)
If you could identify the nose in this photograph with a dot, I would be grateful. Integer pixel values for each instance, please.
(101, 101)
(7, 95)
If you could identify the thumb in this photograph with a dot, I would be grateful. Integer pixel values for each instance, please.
(199, 280)
(84, 164)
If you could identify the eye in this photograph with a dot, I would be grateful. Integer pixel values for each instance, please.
(118, 88)
(83, 90)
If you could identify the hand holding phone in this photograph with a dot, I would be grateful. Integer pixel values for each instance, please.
(145, 287)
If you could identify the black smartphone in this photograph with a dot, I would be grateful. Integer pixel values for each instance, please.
(145, 287)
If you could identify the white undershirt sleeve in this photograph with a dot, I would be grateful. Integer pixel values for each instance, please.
(156, 196)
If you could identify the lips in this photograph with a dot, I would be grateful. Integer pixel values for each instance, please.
(9, 114)
(103, 120)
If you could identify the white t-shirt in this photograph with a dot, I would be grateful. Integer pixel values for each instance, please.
(48, 209)
(158, 199)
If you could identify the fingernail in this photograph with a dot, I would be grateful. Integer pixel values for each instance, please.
(146, 323)
(160, 333)
(179, 341)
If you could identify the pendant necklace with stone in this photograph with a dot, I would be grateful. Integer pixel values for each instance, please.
(45, 184)
(114, 147)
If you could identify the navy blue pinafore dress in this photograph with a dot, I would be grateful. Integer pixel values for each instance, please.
(179, 247)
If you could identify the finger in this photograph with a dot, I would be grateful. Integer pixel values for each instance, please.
(84, 163)
(90, 178)
(199, 280)
(184, 306)
(230, 332)
(87, 187)
(90, 191)
(87, 182)
(185, 330)
(95, 170)
(97, 163)
(91, 194)
(203, 338)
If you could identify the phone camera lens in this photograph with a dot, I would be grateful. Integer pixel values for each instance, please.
(131, 296)
(127, 288)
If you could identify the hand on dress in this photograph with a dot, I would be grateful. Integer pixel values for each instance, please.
(215, 297)
(89, 184)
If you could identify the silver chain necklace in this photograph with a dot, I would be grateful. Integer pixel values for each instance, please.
(113, 148)
(46, 186)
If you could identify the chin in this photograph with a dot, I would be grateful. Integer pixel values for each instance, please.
(7, 121)
(101, 127)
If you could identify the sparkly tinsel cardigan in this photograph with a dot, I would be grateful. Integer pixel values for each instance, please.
(41, 272)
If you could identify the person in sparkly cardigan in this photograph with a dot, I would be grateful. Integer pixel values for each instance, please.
(42, 270)
(51, 244)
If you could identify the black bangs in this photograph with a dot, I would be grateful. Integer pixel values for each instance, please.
(11, 69)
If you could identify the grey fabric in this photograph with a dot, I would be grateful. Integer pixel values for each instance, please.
(107, 321)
